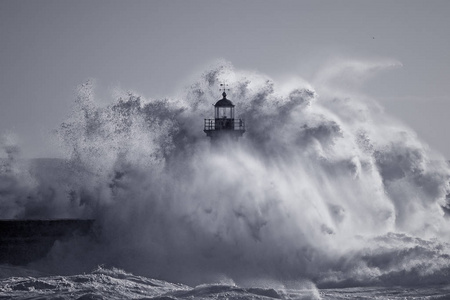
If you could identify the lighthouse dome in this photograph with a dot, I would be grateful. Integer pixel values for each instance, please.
(224, 102)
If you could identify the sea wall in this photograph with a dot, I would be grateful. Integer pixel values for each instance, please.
(24, 241)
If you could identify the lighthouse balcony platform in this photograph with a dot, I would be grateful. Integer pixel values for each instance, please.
(224, 124)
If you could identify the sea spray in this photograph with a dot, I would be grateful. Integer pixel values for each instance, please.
(323, 187)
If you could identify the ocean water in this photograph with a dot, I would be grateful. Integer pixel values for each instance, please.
(116, 284)
(325, 197)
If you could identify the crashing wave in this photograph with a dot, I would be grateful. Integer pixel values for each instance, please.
(323, 187)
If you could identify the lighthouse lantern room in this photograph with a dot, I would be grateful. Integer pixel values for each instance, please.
(224, 124)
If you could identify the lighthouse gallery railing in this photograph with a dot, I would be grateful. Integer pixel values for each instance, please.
(224, 124)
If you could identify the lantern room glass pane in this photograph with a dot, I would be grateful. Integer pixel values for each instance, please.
(224, 112)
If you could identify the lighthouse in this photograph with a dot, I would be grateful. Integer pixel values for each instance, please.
(224, 125)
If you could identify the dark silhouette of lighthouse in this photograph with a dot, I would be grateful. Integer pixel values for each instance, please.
(224, 125)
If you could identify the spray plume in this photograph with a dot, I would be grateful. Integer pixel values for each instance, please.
(323, 187)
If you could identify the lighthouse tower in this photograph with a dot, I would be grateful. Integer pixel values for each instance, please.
(224, 125)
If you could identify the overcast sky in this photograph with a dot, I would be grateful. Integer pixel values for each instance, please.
(47, 48)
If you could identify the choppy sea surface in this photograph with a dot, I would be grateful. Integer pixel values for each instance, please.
(113, 283)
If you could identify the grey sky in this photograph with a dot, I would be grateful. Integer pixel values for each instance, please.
(47, 48)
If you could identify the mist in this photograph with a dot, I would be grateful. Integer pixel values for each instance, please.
(324, 187)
